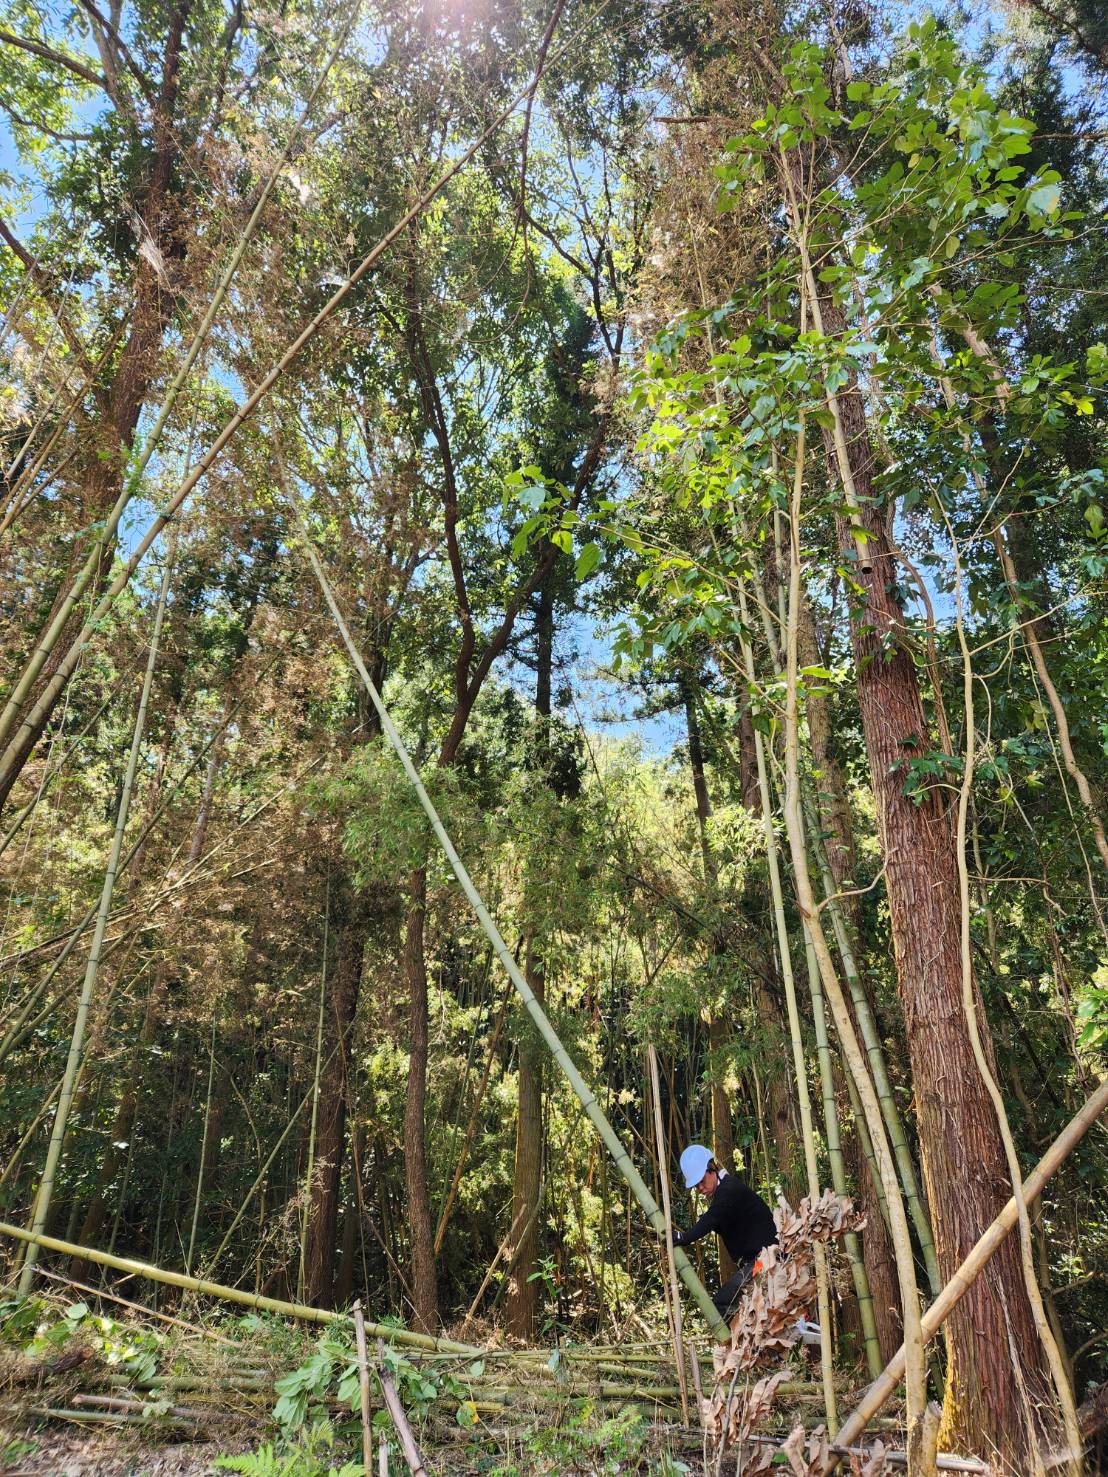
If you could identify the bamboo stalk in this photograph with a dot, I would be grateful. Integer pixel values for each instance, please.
(584, 1093)
(392, 1401)
(871, 1039)
(203, 1154)
(976, 1261)
(800, 1068)
(663, 1179)
(867, 1025)
(97, 1417)
(946, 1462)
(77, 1041)
(219, 1290)
(917, 1378)
(835, 1157)
(122, 1403)
(819, 1020)
(15, 1033)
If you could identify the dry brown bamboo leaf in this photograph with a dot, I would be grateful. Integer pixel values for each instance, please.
(874, 1463)
(764, 1328)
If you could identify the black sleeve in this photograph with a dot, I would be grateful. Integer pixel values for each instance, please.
(703, 1227)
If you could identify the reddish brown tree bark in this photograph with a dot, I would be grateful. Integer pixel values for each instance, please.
(834, 814)
(121, 405)
(992, 1343)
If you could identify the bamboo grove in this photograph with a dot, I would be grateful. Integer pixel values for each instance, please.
(553, 566)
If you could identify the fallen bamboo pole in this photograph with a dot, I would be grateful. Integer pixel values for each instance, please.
(113, 1297)
(124, 1403)
(584, 1093)
(232, 1294)
(946, 1462)
(408, 1445)
(965, 1276)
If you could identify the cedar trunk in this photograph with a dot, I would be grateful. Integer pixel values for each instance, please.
(838, 829)
(992, 1343)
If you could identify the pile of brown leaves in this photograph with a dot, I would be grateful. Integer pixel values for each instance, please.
(763, 1330)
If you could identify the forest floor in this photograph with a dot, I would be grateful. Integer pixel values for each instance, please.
(50, 1452)
(86, 1388)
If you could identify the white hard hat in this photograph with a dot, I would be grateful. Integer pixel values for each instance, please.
(694, 1164)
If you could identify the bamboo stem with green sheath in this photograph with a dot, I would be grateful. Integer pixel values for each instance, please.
(583, 1091)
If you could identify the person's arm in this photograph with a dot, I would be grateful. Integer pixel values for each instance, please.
(703, 1227)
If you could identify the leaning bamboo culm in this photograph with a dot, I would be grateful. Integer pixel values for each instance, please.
(986, 1244)
(76, 1045)
(800, 1066)
(17, 1029)
(819, 1019)
(867, 1025)
(663, 1181)
(583, 1091)
(875, 1054)
(835, 1159)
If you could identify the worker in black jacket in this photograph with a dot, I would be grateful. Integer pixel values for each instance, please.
(737, 1214)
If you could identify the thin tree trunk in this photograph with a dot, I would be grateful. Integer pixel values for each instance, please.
(723, 1134)
(420, 1223)
(333, 1092)
(522, 1301)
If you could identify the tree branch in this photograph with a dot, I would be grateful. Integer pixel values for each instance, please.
(98, 17)
(59, 58)
(42, 281)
